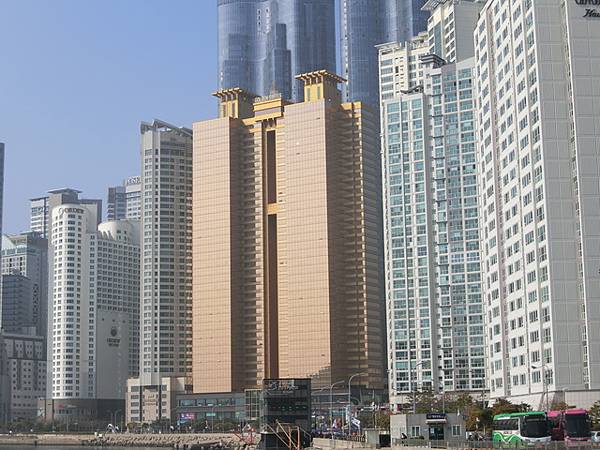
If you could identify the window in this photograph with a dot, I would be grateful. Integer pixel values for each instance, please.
(455, 430)
(415, 431)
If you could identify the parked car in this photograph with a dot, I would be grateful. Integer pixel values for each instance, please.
(596, 437)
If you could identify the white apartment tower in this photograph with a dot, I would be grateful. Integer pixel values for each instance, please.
(118, 281)
(166, 252)
(432, 247)
(166, 271)
(538, 78)
(448, 39)
(95, 287)
(401, 67)
(436, 338)
(450, 27)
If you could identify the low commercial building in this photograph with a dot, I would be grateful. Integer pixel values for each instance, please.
(26, 363)
(146, 404)
(212, 410)
(4, 385)
(432, 426)
(81, 411)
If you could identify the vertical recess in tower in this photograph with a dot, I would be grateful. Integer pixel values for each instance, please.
(271, 308)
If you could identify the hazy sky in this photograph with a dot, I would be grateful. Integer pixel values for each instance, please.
(77, 77)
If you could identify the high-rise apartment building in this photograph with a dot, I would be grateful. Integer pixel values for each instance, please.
(448, 36)
(538, 108)
(166, 266)
(432, 251)
(1, 186)
(366, 24)
(17, 304)
(1, 198)
(118, 281)
(286, 241)
(401, 66)
(26, 254)
(72, 312)
(264, 44)
(40, 219)
(94, 304)
(166, 252)
(431, 215)
(124, 202)
(450, 27)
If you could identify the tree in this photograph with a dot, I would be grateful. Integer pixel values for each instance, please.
(374, 419)
(462, 403)
(595, 414)
(426, 402)
(503, 406)
(560, 406)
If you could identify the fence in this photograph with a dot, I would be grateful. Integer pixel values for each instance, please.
(465, 444)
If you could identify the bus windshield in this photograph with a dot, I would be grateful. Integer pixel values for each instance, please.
(534, 427)
(577, 425)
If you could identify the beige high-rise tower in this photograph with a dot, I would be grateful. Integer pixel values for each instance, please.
(287, 241)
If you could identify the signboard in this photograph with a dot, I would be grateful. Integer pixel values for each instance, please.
(435, 418)
(592, 13)
(283, 385)
(286, 401)
(186, 417)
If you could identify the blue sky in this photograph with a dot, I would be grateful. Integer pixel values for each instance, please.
(77, 77)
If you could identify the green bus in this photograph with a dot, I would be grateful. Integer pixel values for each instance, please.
(521, 429)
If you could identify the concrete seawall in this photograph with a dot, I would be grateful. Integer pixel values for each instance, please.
(123, 440)
(45, 439)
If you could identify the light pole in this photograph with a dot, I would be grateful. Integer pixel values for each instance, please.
(69, 408)
(544, 383)
(176, 408)
(114, 417)
(349, 397)
(331, 406)
(319, 409)
(212, 417)
(413, 385)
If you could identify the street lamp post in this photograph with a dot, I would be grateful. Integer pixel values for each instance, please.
(318, 409)
(113, 416)
(544, 383)
(176, 408)
(331, 406)
(349, 397)
(413, 385)
(212, 417)
(69, 408)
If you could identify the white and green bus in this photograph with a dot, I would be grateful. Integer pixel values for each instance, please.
(521, 429)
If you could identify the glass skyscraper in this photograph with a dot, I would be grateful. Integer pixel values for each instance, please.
(264, 44)
(367, 24)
